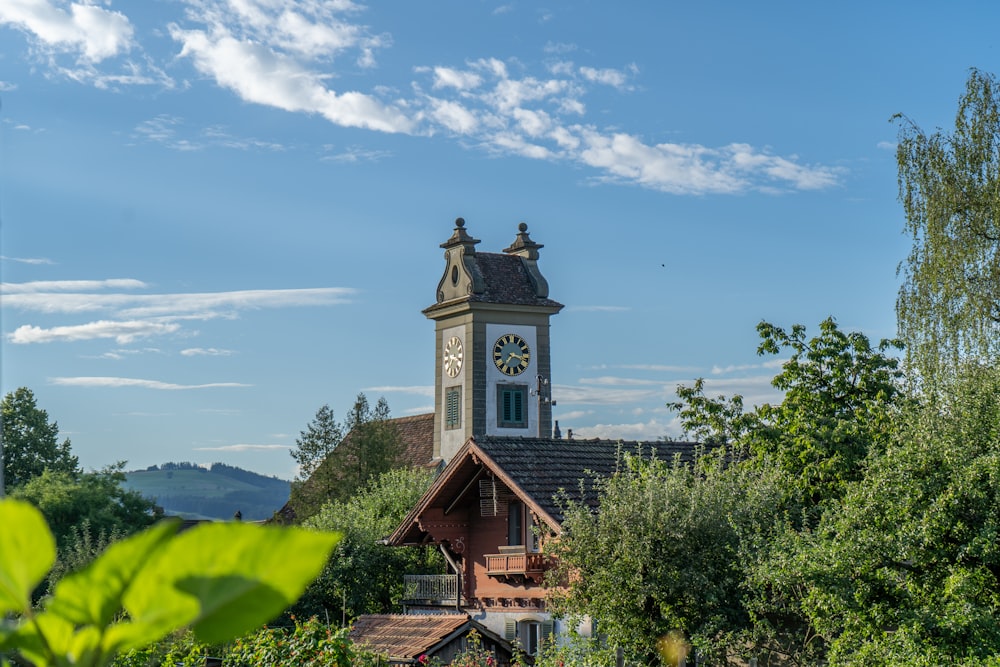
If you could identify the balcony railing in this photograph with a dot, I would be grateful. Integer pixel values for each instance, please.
(516, 565)
(430, 589)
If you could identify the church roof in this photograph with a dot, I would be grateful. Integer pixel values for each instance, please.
(417, 434)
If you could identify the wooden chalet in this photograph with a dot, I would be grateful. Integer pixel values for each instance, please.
(492, 510)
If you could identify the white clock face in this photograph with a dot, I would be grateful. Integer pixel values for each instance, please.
(453, 356)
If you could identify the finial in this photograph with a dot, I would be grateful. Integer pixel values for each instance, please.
(460, 222)
(523, 245)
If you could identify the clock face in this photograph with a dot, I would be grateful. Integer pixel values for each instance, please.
(511, 354)
(453, 356)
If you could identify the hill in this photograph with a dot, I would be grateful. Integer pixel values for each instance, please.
(218, 492)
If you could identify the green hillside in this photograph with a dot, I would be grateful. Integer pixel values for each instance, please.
(191, 491)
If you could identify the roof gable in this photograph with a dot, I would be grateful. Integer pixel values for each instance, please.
(534, 470)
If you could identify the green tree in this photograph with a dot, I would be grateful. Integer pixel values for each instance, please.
(364, 576)
(949, 184)
(665, 554)
(840, 396)
(314, 482)
(338, 459)
(68, 500)
(30, 442)
(906, 570)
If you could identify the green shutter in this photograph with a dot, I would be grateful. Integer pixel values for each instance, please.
(510, 630)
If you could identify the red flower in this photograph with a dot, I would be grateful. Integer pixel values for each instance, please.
(422, 659)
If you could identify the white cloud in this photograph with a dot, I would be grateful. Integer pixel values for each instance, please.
(24, 260)
(612, 381)
(602, 395)
(262, 75)
(69, 285)
(282, 54)
(608, 76)
(644, 431)
(90, 32)
(241, 448)
(143, 315)
(453, 116)
(135, 382)
(446, 77)
(205, 352)
(658, 368)
(203, 305)
(122, 332)
(417, 390)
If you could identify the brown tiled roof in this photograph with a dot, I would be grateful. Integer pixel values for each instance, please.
(543, 467)
(406, 636)
(536, 470)
(417, 434)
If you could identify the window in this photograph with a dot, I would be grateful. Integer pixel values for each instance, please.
(453, 408)
(522, 527)
(515, 524)
(529, 633)
(511, 409)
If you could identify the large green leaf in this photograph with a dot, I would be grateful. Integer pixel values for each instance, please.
(227, 579)
(27, 552)
(94, 595)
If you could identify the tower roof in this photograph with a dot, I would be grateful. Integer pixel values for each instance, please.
(508, 278)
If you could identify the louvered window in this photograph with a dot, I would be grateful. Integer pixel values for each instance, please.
(511, 409)
(453, 408)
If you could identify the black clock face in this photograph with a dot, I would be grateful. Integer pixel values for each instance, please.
(511, 354)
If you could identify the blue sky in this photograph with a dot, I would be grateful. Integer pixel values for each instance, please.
(218, 216)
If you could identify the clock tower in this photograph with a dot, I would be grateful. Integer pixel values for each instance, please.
(492, 356)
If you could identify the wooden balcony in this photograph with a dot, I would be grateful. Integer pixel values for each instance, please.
(516, 565)
(430, 589)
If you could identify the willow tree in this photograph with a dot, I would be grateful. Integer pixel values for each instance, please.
(949, 185)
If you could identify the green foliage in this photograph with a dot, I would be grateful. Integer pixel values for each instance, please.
(949, 184)
(308, 643)
(575, 651)
(318, 441)
(666, 552)
(338, 459)
(68, 499)
(840, 396)
(30, 443)
(83, 545)
(363, 576)
(219, 579)
(907, 569)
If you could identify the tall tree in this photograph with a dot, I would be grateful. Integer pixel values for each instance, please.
(336, 459)
(906, 570)
(949, 185)
(30, 442)
(840, 393)
(667, 552)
